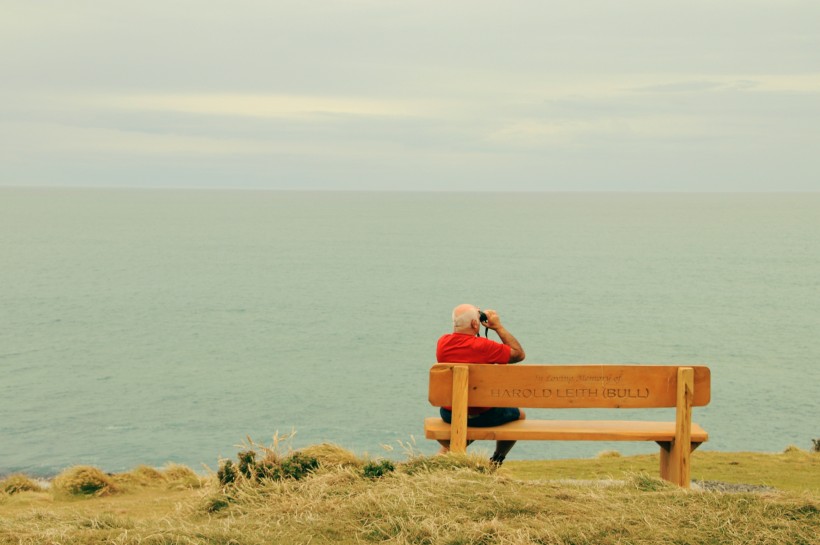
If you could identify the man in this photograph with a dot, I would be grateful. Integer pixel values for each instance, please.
(464, 345)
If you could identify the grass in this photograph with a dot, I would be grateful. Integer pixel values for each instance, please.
(83, 481)
(440, 500)
(795, 469)
(14, 484)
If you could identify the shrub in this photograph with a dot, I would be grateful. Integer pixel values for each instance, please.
(247, 462)
(816, 445)
(269, 468)
(295, 466)
(84, 481)
(298, 465)
(227, 473)
(374, 470)
(793, 449)
(14, 484)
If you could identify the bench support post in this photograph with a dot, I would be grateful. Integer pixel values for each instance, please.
(458, 422)
(675, 456)
(666, 449)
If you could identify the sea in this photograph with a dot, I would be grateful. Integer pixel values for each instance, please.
(155, 326)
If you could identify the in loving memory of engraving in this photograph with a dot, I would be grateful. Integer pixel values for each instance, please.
(598, 379)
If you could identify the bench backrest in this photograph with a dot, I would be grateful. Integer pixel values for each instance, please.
(568, 386)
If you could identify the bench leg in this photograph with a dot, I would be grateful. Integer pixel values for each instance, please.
(458, 420)
(681, 450)
(670, 465)
(666, 452)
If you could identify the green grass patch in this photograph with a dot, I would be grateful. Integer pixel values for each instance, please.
(796, 470)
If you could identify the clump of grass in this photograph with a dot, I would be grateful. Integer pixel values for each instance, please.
(84, 481)
(148, 474)
(329, 455)
(180, 476)
(374, 470)
(609, 454)
(139, 476)
(14, 484)
(213, 503)
(448, 462)
(647, 483)
(173, 476)
(794, 449)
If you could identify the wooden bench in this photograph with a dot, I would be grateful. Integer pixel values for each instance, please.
(459, 385)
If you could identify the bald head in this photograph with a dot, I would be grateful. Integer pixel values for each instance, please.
(465, 319)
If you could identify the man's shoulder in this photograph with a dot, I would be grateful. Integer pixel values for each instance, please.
(456, 338)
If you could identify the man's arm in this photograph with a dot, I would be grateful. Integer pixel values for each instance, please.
(494, 322)
(516, 352)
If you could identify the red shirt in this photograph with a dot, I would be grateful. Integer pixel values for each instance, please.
(465, 348)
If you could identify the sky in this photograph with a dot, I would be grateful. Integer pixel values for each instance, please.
(582, 95)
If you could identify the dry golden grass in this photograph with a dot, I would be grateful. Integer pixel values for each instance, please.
(181, 477)
(330, 455)
(14, 484)
(441, 500)
(139, 476)
(83, 481)
(172, 476)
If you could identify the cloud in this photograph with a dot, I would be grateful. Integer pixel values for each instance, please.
(58, 138)
(271, 105)
(761, 83)
(579, 132)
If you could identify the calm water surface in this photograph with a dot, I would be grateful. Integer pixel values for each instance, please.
(147, 326)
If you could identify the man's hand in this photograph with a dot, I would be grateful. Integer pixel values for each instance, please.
(494, 323)
(493, 320)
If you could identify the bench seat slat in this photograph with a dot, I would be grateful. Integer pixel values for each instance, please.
(568, 430)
